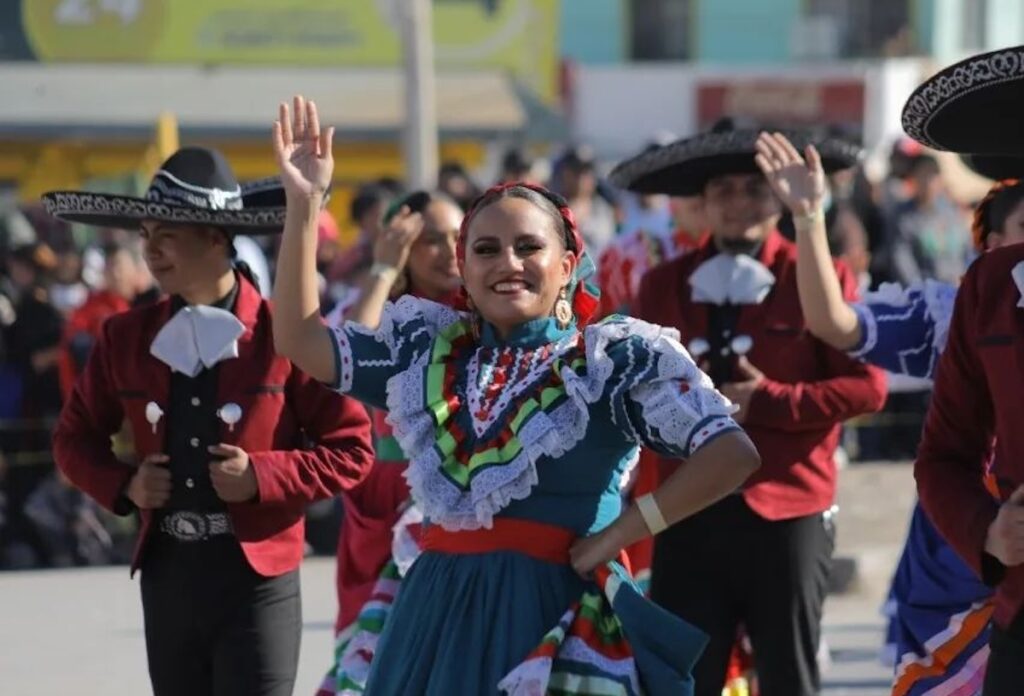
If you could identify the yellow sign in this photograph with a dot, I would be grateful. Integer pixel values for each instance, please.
(520, 36)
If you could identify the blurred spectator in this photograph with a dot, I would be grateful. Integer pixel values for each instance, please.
(928, 235)
(68, 291)
(30, 374)
(851, 245)
(10, 376)
(3, 501)
(15, 230)
(122, 270)
(14, 553)
(71, 529)
(391, 186)
(327, 241)
(576, 179)
(344, 275)
(454, 181)
(905, 152)
(688, 217)
(650, 213)
(518, 165)
(33, 339)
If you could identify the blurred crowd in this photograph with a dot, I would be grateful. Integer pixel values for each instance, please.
(58, 285)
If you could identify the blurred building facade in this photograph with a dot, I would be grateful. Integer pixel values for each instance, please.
(732, 32)
(679, 64)
(85, 82)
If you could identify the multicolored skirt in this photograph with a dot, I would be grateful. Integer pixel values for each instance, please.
(939, 618)
(412, 638)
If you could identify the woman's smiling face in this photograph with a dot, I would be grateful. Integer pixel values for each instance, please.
(516, 262)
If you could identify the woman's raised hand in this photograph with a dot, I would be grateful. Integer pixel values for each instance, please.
(799, 185)
(303, 151)
(395, 242)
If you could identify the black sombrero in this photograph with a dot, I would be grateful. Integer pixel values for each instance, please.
(972, 107)
(995, 167)
(683, 167)
(194, 186)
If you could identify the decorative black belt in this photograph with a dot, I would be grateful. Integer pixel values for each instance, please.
(185, 525)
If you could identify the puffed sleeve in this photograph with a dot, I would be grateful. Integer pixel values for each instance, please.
(366, 359)
(657, 395)
(905, 330)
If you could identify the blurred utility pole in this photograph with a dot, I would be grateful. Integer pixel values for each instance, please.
(421, 158)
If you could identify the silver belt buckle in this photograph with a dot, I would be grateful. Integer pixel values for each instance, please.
(828, 517)
(184, 525)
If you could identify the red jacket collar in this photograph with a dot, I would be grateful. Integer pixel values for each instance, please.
(773, 243)
(247, 308)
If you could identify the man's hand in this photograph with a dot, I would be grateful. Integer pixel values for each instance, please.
(150, 487)
(232, 476)
(740, 392)
(1005, 538)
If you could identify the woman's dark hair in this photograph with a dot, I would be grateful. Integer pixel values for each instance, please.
(1003, 205)
(550, 204)
(991, 213)
(418, 202)
(365, 200)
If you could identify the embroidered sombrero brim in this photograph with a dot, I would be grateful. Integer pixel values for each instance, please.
(995, 167)
(684, 167)
(975, 106)
(262, 210)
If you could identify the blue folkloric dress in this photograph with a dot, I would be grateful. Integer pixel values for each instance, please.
(939, 610)
(516, 447)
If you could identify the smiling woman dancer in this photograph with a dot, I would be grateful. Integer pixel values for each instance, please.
(519, 421)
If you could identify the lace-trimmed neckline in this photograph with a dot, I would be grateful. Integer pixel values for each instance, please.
(531, 334)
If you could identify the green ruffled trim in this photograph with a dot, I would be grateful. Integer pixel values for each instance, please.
(446, 442)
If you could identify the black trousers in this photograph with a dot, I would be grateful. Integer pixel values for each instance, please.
(1005, 671)
(726, 567)
(213, 626)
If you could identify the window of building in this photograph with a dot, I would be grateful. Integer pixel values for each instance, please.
(975, 13)
(867, 28)
(661, 29)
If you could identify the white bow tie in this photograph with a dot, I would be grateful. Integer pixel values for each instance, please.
(197, 337)
(725, 278)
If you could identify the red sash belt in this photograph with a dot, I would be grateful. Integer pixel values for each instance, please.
(545, 542)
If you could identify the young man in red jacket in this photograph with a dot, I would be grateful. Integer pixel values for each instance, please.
(760, 558)
(234, 441)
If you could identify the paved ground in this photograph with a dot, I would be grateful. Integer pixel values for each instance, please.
(79, 631)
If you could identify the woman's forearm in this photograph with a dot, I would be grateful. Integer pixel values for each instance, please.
(713, 472)
(374, 292)
(299, 333)
(826, 312)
